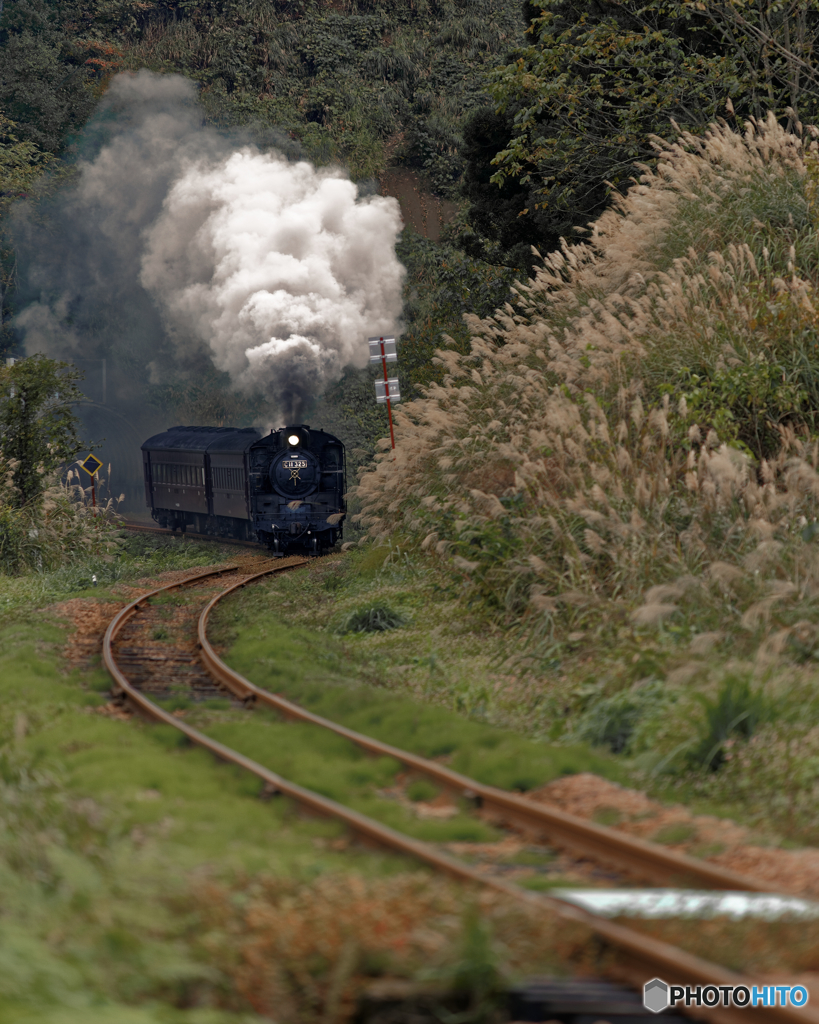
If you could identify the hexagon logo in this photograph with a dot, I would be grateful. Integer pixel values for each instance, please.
(655, 995)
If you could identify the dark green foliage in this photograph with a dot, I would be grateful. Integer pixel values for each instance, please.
(45, 82)
(611, 722)
(374, 618)
(443, 283)
(503, 220)
(38, 426)
(347, 83)
(422, 789)
(597, 81)
(736, 711)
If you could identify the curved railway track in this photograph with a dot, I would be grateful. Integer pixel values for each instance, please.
(632, 956)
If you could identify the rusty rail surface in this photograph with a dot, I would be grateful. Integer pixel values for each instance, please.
(637, 857)
(633, 956)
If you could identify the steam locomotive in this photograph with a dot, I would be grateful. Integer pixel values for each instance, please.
(285, 489)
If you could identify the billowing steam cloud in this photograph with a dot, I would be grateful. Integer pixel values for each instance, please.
(277, 267)
(177, 241)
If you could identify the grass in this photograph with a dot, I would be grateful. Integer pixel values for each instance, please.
(374, 618)
(136, 556)
(441, 687)
(105, 823)
(130, 861)
(672, 834)
(440, 705)
(422, 789)
(334, 767)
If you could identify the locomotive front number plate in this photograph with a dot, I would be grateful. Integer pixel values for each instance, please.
(294, 463)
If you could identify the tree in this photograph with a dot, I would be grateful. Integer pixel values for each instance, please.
(44, 75)
(38, 429)
(776, 40)
(499, 234)
(600, 77)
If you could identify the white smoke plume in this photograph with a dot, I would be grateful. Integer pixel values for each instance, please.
(178, 240)
(278, 267)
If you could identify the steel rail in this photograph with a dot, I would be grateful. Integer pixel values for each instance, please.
(635, 856)
(634, 957)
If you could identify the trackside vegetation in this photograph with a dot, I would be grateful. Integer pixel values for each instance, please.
(595, 548)
(623, 472)
(144, 882)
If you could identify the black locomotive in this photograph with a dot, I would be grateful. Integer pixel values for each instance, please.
(285, 490)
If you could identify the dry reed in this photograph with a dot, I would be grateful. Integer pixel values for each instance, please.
(550, 468)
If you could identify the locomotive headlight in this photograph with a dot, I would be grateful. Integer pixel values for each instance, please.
(293, 439)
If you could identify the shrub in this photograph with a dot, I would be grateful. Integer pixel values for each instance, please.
(374, 618)
(611, 721)
(55, 529)
(38, 426)
(738, 710)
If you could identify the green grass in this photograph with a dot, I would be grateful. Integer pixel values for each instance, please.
(422, 789)
(450, 685)
(436, 702)
(678, 832)
(333, 767)
(138, 556)
(103, 826)
(371, 618)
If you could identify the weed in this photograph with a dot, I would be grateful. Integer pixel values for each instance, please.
(611, 721)
(737, 710)
(422, 789)
(374, 618)
(310, 666)
(674, 834)
(707, 850)
(476, 974)
(541, 883)
(534, 857)
(607, 816)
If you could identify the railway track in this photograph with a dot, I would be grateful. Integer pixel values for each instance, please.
(140, 673)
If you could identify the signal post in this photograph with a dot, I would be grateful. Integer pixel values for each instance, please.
(387, 391)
